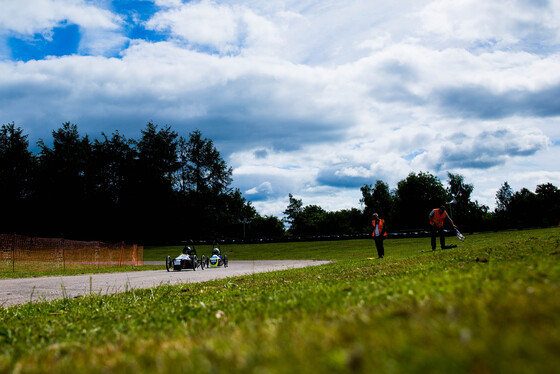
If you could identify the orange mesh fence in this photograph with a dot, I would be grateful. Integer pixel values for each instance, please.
(23, 253)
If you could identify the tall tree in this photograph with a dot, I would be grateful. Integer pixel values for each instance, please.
(466, 213)
(203, 179)
(415, 197)
(62, 202)
(548, 204)
(202, 167)
(153, 196)
(522, 206)
(16, 171)
(377, 199)
(113, 182)
(111, 166)
(310, 220)
(292, 212)
(503, 197)
(157, 158)
(458, 189)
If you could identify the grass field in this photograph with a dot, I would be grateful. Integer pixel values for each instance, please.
(490, 306)
(36, 271)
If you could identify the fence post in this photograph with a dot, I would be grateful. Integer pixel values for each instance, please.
(63, 255)
(134, 255)
(122, 250)
(13, 253)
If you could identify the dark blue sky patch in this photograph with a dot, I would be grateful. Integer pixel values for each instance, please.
(480, 102)
(475, 163)
(536, 3)
(544, 103)
(261, 153)
(491, 148)
(61, 41)
(236, 130)
(390, 93)
(329, 177)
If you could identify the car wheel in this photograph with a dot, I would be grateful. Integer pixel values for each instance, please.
(168, 263)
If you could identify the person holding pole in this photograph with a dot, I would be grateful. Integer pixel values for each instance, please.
(437, 219)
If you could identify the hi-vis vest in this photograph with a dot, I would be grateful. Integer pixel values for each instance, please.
(437, 219)
(381, 224)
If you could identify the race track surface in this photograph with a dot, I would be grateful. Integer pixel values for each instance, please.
(25, 290)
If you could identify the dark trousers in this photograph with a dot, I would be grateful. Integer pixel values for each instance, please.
(379, 246)
(437, 231)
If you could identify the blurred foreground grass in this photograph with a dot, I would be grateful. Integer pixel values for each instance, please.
(490, 305)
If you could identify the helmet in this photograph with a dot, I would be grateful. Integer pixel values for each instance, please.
(186, 250)
(215, 251)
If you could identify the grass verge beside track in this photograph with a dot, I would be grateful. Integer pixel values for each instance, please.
(491, 305)
(103, 269)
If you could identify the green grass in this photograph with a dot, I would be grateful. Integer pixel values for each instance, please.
(36, 272)
(491, 305)
(335, 250)
(317, 250)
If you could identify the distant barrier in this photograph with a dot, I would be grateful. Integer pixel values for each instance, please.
(20, 253)
(409, 233)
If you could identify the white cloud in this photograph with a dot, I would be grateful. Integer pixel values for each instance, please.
(313, 98)
(227, 29)
(203, 23)
(264, 188)
(492, 23)
(168, 3)
(99, 28)
(36, 16)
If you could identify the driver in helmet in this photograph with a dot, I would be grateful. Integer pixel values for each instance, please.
(189, 251)
(215, 252)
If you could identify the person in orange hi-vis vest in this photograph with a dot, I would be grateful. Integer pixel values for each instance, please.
(379, 234)
(437, 218)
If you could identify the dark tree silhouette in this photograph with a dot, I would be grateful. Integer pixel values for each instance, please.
(163, 188)
(415, 197)
(466, 213)
(61, 199)
(377, 199)
(17, 166)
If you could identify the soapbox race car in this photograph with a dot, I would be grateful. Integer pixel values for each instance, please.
(187, 260)
(216, 259)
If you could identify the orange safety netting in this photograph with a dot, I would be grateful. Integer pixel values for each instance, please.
(23, 253)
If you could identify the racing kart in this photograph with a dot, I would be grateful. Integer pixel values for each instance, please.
(216, 259)
(187, 260)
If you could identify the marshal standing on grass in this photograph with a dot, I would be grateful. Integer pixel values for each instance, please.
(379, 234)
(437, 218)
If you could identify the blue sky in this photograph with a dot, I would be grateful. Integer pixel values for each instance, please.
(313, 98)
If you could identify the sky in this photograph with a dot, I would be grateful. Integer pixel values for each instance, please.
(310, 97)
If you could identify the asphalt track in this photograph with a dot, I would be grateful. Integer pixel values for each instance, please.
(25, 290)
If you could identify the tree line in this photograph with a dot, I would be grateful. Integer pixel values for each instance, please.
(165, 188)
(159, 188)
(406, 208)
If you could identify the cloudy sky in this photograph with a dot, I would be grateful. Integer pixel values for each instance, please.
(310, 97)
